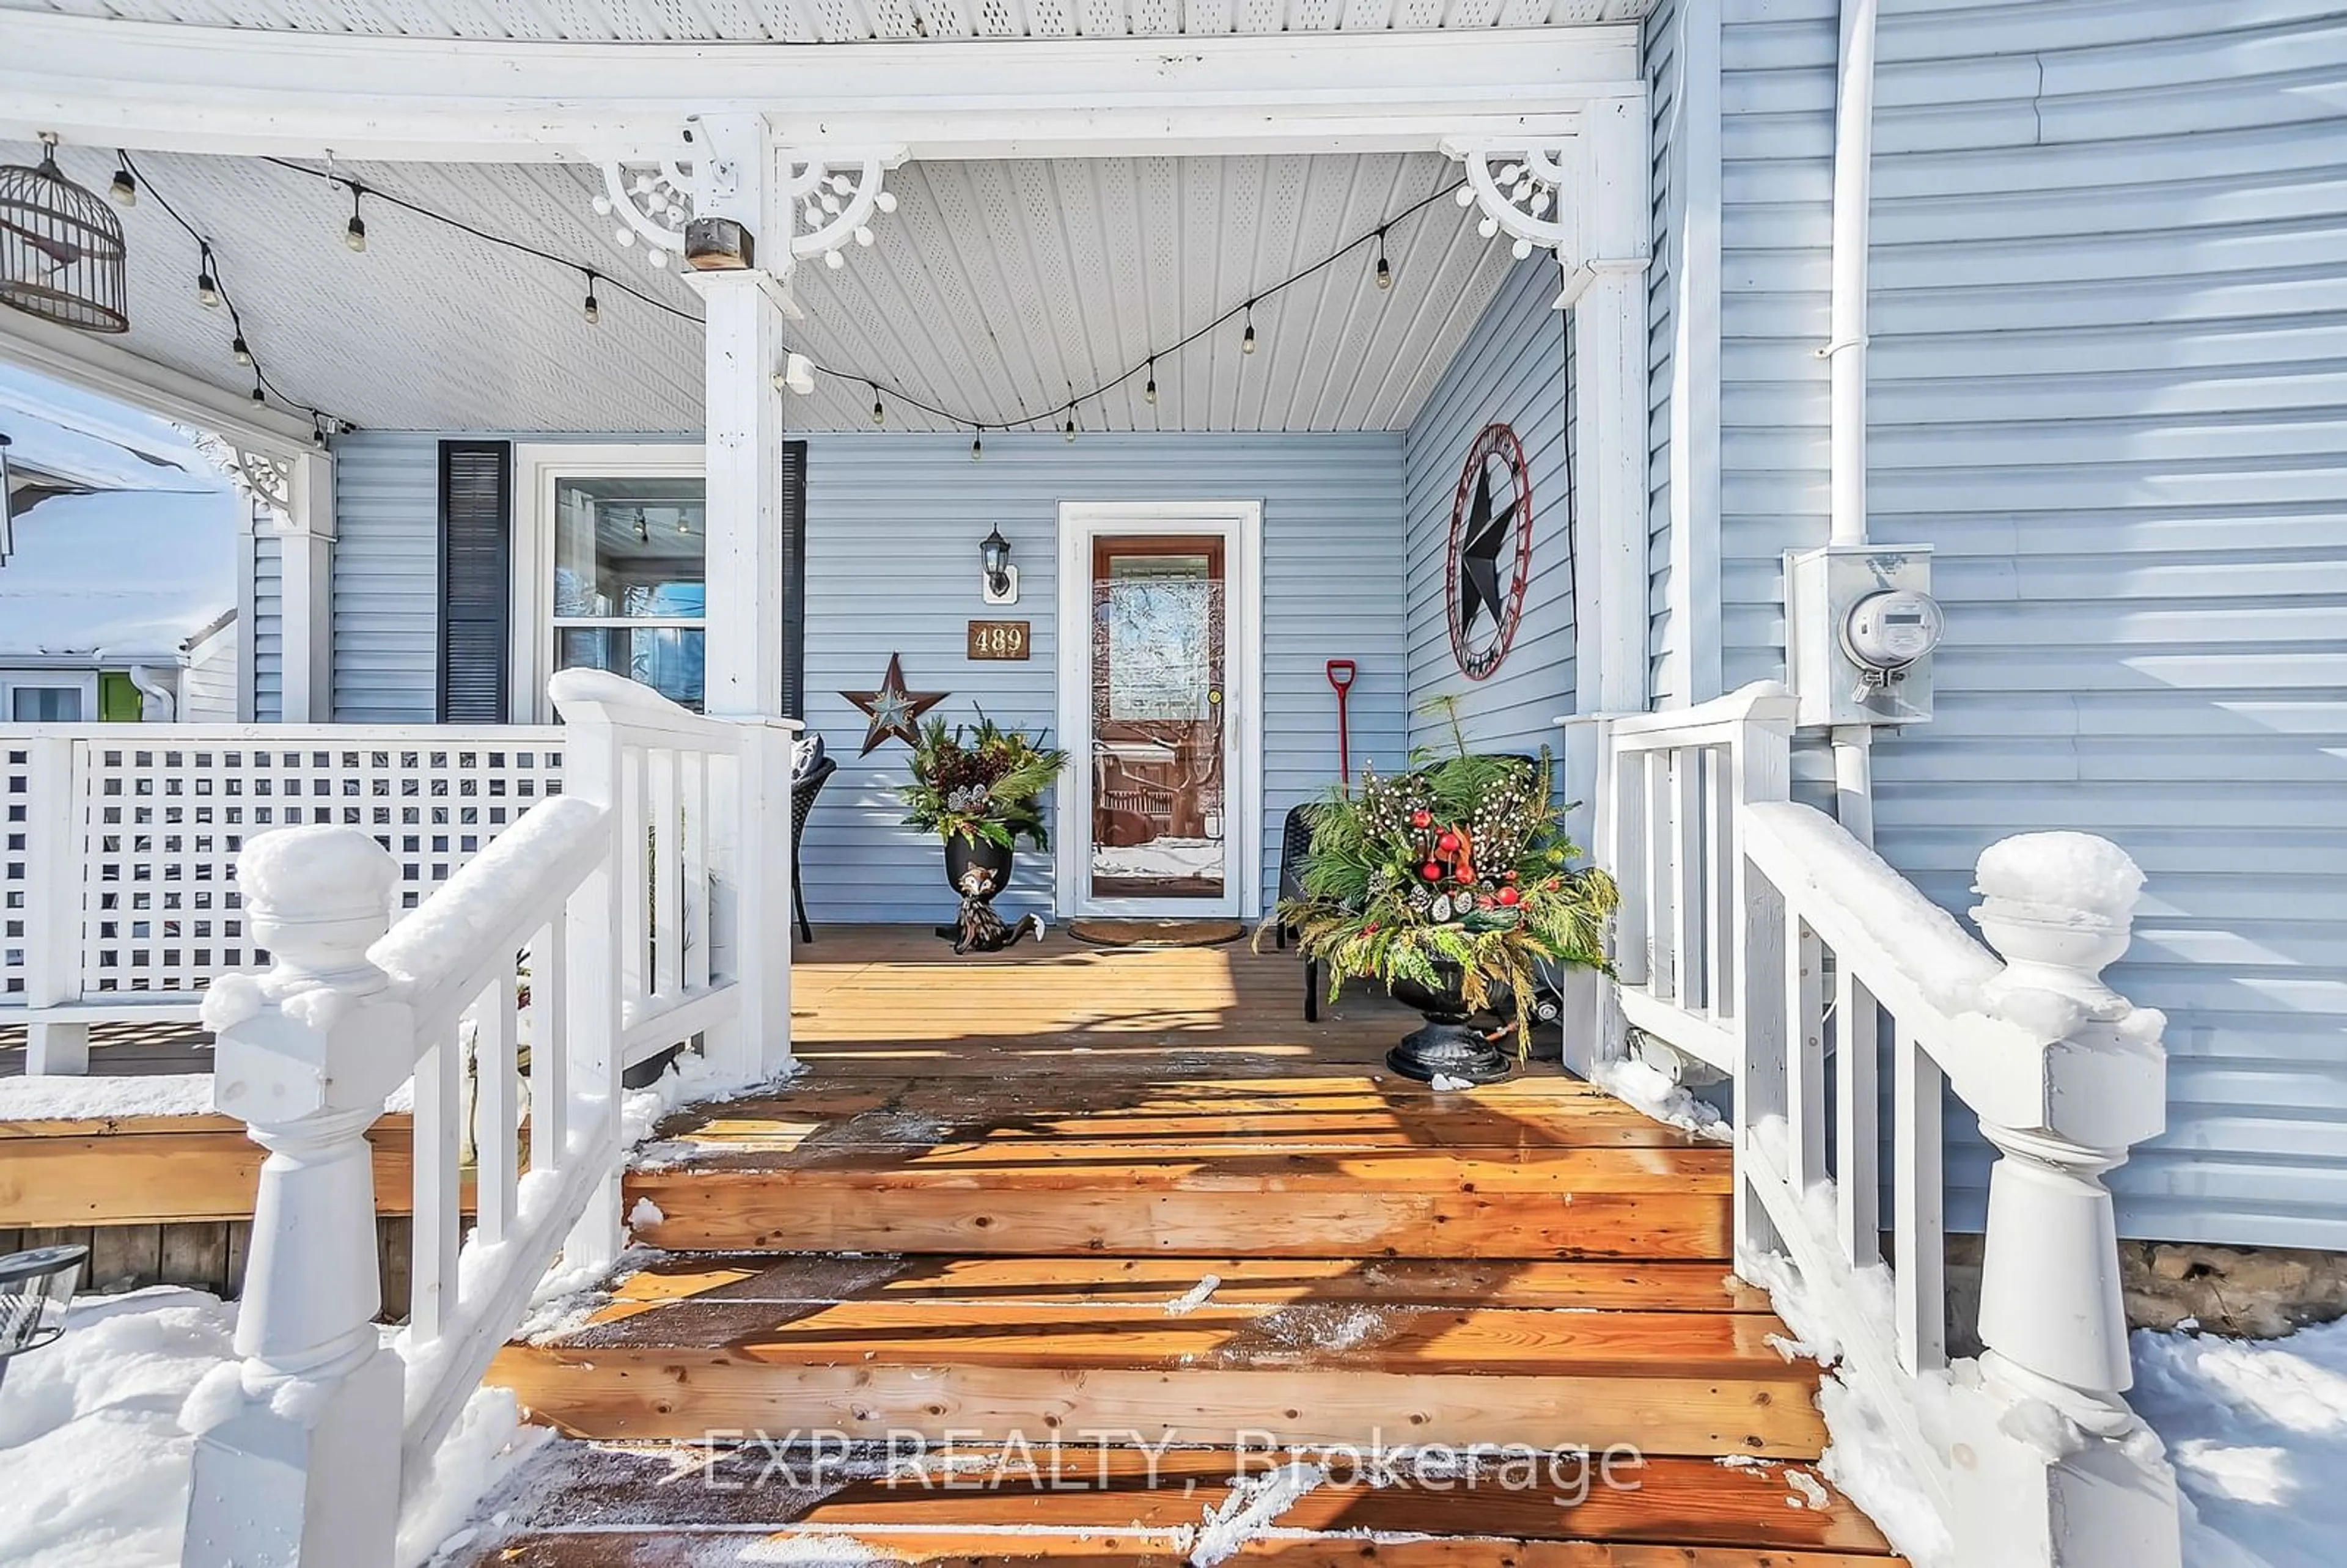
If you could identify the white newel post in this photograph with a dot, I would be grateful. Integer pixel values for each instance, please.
(744, 348)
(297, 1466)
(2097, 1488)
(53, 927)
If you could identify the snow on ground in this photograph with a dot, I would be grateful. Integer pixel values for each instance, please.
(89, 1431)
(61, 1099)
(94, 1445)
(2257, 1430)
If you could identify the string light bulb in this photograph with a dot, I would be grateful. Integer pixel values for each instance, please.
(1149, 392)
(590, 309)
(240, 351)
(317, 432)
(207, 286)
(879, 410)
(1246, 343)
(1385, 272)
(354, 232)
(977, 447)
(1071, 431)
(258, 394)
(125, 188)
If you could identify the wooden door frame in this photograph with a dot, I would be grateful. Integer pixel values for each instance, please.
(1240, 525)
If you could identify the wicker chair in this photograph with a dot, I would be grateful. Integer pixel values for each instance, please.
(803, 789)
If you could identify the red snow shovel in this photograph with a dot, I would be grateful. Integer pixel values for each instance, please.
(1341, 676)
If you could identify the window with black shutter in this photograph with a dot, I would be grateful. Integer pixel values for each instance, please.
(475, 581)
(794, 531)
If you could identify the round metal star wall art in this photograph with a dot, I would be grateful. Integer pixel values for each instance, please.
(1491, 551)
(895, 713)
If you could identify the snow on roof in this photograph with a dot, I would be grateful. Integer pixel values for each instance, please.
(76, 435)
(125, 576)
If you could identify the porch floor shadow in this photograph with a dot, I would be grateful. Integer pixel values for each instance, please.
(1103, 1256)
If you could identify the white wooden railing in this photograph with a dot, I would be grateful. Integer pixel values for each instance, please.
(647, 904)
(1759, 937)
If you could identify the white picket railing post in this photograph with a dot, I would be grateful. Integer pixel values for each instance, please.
(597, 962)
(53, 922)
(301, 1469)
(2051, 1316)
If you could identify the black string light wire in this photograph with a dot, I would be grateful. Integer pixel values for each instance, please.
(1065, 413)
(211, 290)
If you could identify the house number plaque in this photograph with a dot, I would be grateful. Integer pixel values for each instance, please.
(998, 640)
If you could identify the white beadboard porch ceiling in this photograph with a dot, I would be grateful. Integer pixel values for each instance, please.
(844, 21)
(995, 289)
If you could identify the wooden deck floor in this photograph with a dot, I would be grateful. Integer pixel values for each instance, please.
(1067, 1189)
(894, 1001)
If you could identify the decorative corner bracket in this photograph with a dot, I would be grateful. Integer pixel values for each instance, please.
(829, 198)
(833, 198)
(1520, 188)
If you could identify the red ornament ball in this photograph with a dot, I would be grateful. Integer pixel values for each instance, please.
(1448, 843)
(1422, 819)
(1510, 897)
(1431, 871)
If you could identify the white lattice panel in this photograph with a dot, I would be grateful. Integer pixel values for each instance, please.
(160, 823)
(15, 867)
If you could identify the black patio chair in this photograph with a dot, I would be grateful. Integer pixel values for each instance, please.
(1294, 843)
(803, 789)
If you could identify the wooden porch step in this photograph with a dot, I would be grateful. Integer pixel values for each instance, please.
(573, 1505)
(1295, 1167)
(874, 1346)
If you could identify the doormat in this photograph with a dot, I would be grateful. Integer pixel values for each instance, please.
(1106, 933)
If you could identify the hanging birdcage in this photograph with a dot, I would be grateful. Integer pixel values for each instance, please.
(61, 255)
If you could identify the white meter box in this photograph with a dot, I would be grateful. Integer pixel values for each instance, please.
(1860, 624)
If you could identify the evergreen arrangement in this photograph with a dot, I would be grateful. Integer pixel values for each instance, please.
(1455, 874)
(983, 782)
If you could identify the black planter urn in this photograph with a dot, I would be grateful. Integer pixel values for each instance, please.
(964, 853)
(1448, 1045)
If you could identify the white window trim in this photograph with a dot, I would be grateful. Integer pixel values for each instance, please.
(1241, 523)
(537, 465)
(46, 679)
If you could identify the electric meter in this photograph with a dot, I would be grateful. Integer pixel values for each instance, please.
(1889, 631)
(1859, 627)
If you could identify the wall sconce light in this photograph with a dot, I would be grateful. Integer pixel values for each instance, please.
(998, 583)
(797, 375)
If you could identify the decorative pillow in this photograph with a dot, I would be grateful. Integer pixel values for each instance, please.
(805, 752)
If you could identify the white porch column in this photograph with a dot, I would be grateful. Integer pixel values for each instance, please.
(1605, 287)
(744, 668)
(307, 562)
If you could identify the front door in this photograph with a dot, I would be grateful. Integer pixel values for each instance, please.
(1158, 807)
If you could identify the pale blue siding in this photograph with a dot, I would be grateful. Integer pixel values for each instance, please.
(387, 595)
(1513, 368)
(2107, 327)
(1666, 76)
(268, 628)
(893, 525)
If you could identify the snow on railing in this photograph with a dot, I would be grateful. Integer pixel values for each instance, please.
(118, 883)
(1761, 938)
(646, 905)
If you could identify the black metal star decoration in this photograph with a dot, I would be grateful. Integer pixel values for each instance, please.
(1478, 554)
(895, 713)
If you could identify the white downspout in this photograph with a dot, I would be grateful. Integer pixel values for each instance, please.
(1853, 170)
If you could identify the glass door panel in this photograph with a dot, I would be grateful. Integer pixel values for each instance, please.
(1158, 738)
